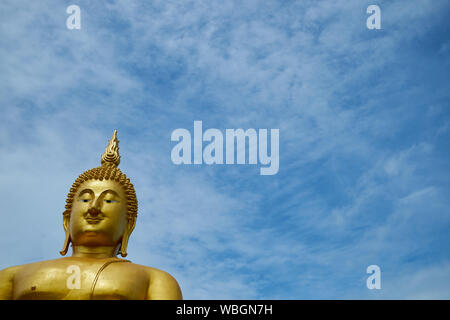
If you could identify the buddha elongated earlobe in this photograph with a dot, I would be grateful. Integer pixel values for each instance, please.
(123, 246)
(126, 236)
(66, 221)
(66, 244)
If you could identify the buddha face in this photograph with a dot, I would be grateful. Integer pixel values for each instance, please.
(99, 214)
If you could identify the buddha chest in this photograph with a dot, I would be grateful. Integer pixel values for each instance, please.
(67, 279)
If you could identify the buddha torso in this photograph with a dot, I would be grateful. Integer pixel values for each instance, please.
(118, 281)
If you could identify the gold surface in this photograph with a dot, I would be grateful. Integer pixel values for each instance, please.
(100, 216)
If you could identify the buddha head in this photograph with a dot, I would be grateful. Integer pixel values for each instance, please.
(101, 207)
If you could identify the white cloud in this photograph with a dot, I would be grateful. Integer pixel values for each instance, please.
(308, 68)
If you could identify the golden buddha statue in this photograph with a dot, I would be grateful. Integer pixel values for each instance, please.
(100, 215)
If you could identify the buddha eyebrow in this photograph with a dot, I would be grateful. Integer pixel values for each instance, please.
(85, 191)
(111, 191)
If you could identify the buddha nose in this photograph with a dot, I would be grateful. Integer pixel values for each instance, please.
(95, 209)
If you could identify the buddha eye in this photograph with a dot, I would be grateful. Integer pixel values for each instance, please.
(110, 201)
(84, 200)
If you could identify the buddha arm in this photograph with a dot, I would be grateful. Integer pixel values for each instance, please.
(163, 286)
(6, 282)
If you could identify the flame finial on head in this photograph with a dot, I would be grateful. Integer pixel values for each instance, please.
(111, 155)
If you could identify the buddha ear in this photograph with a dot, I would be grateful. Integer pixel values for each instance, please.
(66, 222)
(126, 235)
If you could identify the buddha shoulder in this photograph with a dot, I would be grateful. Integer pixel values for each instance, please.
(162, 285)
(6, 282)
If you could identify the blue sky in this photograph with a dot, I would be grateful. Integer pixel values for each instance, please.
(364, 125)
